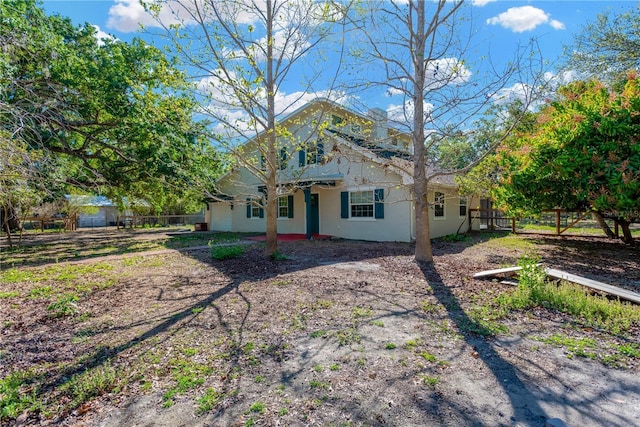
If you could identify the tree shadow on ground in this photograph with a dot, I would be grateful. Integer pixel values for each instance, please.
(525, 397)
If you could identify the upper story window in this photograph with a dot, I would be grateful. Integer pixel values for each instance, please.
(438, 205)
(337, 120)
(284, 158)
(312, 154)
(356, 129)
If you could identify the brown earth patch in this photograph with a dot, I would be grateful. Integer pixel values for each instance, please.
(339, 333)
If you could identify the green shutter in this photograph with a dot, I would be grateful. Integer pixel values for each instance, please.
(379, 205)
(248, 208)
(302, 157)
(261, 212)
(344, 204)
(320, 152)
(290, 203)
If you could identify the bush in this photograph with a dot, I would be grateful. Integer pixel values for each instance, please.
(226, 252)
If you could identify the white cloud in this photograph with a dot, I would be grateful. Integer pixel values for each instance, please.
(521, 91)
(101, 35)
(446, 71)
(223, 105)
(128, 15)
(481, 3)
(403, 114)
(524, 18)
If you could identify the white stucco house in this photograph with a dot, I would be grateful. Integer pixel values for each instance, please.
(341, 174)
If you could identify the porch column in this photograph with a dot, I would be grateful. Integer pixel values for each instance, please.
(307, 202)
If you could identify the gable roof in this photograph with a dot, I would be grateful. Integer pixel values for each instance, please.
(399, 160)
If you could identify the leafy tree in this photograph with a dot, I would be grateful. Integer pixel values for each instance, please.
(242, 55)
(96, 114)
(482, 179)
(424, 51)
(608, 47)
(584, 154)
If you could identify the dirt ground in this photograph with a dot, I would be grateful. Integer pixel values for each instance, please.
(339, 333)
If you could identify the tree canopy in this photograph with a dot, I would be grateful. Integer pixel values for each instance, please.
(607, 47)
(584, 154)
(104, 115)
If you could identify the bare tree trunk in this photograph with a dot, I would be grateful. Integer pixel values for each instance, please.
(605, 227)
(6, 224)
(627, 237)
(272, 189)
(420, 183)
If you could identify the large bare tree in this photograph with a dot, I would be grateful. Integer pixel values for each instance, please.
(424, 49)
(245, 55)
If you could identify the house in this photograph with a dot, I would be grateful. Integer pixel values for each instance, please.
(94, 211)
(340, 173)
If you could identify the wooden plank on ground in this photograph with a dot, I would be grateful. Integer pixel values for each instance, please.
(594, 284)
(510, 271)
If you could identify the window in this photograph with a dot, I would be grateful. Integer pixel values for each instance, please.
(362, 204)
(284, 156)
(285, 207)
(313, 154)
(356, 129)
(337, 120)
(463, 206)
(438, 205)
(254, 209)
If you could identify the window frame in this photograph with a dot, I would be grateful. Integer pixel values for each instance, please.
(461, 204)
(254, 209)
(346, 210)
(285, 202)
(439, 203)
(369, 205)
(312, 154)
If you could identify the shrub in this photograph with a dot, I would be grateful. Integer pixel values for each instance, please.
(226, 252)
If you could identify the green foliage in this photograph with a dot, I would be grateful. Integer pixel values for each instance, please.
(65, 305)
(19, 393)
(583, 155)
(533, 289)
(258, 407)
(582, 347)
(9, 294)
(227, 252)
(606, 47)
(209, 400)
(102, 114)
(348, 336)
(91, 383)
(14, 275)
(278, 256)
(186, 374)
(455, 238)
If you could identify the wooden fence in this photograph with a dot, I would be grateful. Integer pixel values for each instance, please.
(559, 221)
(49, 223)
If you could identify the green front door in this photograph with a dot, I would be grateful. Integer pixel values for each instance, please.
(314, 218)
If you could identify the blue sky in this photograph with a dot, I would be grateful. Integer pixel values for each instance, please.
(500, 25)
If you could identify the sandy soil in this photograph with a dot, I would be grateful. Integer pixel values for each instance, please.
(339, 333)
